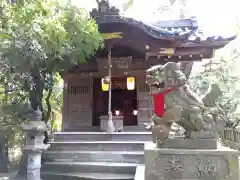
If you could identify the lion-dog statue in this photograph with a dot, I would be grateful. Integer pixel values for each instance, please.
(198, 116)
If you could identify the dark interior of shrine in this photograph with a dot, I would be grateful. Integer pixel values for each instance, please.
(123, 102)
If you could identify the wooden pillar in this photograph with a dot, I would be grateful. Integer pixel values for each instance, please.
(144, 101)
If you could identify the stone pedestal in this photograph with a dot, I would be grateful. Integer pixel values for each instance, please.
(184, 143)
(190, 164)
(117, 121)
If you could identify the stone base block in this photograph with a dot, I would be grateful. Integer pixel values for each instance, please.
(184, 143)
(117, 121)
(190, 164)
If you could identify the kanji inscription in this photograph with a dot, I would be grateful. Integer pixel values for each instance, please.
(206, 168)
(174, 165)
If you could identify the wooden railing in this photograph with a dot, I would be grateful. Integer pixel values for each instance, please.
(231, 137)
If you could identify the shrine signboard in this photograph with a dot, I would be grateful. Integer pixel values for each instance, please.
(113, 35)
(117, 63)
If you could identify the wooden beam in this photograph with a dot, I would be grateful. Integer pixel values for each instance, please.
(183, 53)
(207, 44)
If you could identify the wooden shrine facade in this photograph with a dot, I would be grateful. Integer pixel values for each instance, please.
(135, 46)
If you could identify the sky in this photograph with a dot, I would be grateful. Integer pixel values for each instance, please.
(214, 16)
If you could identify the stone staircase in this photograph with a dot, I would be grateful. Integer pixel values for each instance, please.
(94, 156)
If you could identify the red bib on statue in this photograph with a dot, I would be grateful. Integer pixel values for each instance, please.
(158, 100)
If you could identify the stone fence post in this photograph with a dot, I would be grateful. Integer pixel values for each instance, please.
(229, 134)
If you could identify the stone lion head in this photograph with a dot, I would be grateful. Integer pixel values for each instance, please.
(161, 77)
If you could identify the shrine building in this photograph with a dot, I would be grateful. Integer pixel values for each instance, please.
(134, 46)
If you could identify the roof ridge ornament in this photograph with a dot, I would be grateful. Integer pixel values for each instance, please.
(103, 9)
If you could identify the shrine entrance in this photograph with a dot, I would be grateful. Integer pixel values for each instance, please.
(124, 101)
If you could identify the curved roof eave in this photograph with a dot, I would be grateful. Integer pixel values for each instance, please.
(151, 30)
(216, 41)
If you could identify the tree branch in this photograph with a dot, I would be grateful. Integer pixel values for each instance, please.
(9, 91)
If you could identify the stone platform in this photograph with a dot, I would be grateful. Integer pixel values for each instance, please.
(183, 143)
(190, 164)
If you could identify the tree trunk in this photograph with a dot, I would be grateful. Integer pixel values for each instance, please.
(49, 110)
(3, 136)
(36, 93)
(3, 153)
(36, 96)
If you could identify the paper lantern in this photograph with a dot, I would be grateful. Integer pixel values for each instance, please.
(135, 112)
(117, 112)
(105, 87)
(131, 83)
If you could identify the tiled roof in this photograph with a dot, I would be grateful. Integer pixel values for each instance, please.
(189, 27)
(171, 30)
(185, 30)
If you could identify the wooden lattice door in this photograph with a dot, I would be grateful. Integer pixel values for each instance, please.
(80, 103)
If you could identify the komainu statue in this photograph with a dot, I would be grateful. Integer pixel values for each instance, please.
(200, 117)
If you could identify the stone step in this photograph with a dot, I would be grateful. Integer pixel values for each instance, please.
(90, 167)
(85, 176)
(102, 136)
(98, 145)
(94, 156)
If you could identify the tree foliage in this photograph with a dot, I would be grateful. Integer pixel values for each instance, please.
(223, 71)
(38, 40)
